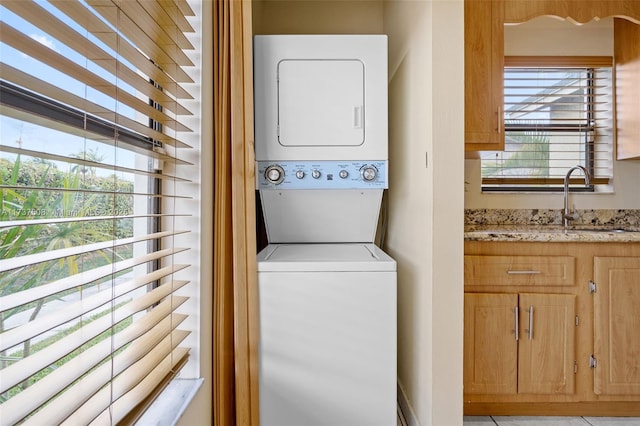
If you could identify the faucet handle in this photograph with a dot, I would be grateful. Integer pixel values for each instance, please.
(571, 214)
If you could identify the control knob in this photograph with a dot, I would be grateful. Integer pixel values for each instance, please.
(369, 173)
(274, 174)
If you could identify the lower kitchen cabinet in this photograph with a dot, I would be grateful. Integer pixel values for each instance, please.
(565, 350)
(546, 349)
(490, 346)
(519, 343)
(616, 303)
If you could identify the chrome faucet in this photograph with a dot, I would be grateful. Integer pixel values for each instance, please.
(567, 214)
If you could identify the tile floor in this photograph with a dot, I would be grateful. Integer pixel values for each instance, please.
(550, 421)
(541, 421)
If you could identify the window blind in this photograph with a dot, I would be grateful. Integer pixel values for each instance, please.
(558, 113)
(96, 114)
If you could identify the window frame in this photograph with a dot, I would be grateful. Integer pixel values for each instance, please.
(521, 184)
(62, 117)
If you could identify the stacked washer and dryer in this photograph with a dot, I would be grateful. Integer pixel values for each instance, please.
(327, 293)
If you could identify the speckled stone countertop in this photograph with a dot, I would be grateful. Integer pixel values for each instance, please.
(546, 225)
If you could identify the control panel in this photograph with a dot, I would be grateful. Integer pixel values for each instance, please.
(321, 175)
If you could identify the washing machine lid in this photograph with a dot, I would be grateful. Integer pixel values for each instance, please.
(324, 257)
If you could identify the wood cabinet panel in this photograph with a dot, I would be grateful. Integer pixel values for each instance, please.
(617, 325)
(546, 350)
(483, 75)
(490, 347)
(517, 11)
(519, 270)
(506, 352)
(626, 41)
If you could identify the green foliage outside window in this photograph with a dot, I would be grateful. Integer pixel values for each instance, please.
(52, 193)
(528, 154)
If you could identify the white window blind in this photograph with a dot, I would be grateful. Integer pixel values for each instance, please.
(94, 100)
(558, 113)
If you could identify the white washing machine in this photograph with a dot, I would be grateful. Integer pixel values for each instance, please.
(327, 335)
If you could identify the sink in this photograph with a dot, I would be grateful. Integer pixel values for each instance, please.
(601, 229)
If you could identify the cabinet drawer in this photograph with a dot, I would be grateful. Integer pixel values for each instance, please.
(519, 270)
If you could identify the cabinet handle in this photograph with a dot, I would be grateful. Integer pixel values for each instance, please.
(530, 322)
(500, 119)
(526, 272)
(517, 314)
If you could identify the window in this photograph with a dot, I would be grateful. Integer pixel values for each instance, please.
(557, 114)
(97, 126)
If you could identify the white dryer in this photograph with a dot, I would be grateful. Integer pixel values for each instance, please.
(327, 335)
(321, 135)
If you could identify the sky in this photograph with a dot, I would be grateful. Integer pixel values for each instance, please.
(16, 133)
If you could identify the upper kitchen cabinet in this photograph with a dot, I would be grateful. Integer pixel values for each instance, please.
(626, 40)
(484, 63)
(483, 74)
(581, 11)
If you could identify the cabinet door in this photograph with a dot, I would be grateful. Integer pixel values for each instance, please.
(484, 75)
(627, 54)
(617, 325)
(490, 346)
(546, 351)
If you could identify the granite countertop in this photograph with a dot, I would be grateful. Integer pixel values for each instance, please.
(546, 226)
(549, 233)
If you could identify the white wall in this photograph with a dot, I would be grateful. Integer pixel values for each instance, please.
(551, 36)
(426, 201)
(317, 16)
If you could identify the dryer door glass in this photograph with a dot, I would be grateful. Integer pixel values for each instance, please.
(321, 103)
